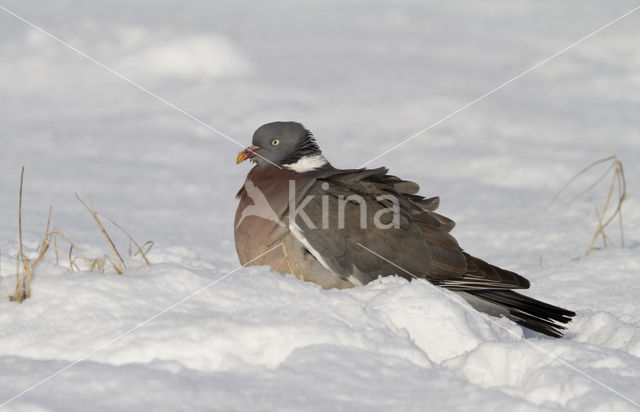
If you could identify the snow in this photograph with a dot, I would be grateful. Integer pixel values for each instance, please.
(362, 77)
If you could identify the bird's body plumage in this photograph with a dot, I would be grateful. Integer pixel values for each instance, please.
(355, 225)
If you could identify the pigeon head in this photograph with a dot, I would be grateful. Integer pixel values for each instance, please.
(284, 144)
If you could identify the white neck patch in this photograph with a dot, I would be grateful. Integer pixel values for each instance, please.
(307, 163)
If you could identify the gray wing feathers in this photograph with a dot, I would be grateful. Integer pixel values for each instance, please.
(436, 256)
(421, 245)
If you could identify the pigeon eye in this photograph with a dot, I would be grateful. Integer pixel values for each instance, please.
(275, 142)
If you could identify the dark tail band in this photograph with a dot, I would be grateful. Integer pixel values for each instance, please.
(528, 312)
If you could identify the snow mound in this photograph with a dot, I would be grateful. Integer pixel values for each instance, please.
(284, 332)
(254, 318)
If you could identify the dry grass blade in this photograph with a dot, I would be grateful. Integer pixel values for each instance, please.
(23, 279)
(607, 216)
(619, 182)
(119, 264)
(142, 252)
(44, 245)
(74, 253)
(25, 268)
(580, 173)
(55, 246)
(17, 295)
(148, 244)
(55, 233)
(24, 272)
(592, 185)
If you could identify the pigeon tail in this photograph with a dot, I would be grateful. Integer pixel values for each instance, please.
(528, 312)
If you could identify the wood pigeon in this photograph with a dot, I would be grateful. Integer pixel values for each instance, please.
(342, 228)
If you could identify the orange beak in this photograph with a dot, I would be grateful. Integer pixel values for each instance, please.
(247, 153)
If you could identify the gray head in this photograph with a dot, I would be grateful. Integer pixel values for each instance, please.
(284, 144)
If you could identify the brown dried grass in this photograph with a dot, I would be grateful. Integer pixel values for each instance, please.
(25, 268)
(612, 208)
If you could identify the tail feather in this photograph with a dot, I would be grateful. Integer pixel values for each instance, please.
(531, 313)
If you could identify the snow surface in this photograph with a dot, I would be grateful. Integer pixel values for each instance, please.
(362, 76)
